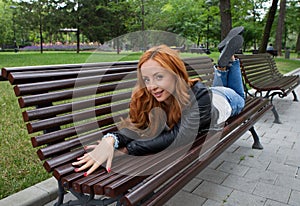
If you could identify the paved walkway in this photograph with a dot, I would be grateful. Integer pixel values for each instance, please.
(240, 176)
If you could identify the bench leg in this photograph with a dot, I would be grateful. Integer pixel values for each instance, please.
(256, 144)
(295, 96)
(276, 120)
(275, 113)
(84, 199)
(61, 194)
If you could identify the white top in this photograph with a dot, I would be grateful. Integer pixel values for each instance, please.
(222, 105)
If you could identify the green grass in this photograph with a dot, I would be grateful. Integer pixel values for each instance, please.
(19, 164)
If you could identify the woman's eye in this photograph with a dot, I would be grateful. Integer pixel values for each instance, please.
(146, 81)
(159, 77)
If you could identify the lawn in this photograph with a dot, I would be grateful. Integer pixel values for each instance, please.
(20, 166)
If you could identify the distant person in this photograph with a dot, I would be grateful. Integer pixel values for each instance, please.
(270, 48)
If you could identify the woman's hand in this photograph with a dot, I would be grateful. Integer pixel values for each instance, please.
(102, 152)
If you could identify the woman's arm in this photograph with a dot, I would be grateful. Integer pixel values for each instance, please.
(196, 116)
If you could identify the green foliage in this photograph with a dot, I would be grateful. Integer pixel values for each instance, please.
(103, 20)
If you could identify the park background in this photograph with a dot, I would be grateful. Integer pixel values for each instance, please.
(71, 31)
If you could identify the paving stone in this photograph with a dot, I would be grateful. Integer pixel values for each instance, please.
(238, 198)
(233, 168)
(282, 169)
(231, 157)
(186, 199)
(261, 176)
(281, 143)
(244, 141)
(253, 161)
(216, 163)
(288, 182)
(211, 175)
(195, 182)
(269, 154)
(293, 159)
(273, 192)
(275, 203)
(213, 203)
(295, 198)
(213, 191)
(248, 151)
(232, 148)
(240, 183)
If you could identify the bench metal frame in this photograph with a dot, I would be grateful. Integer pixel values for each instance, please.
(154, 189)
(261, 74)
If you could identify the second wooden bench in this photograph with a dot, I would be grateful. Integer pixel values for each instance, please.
(261, 74)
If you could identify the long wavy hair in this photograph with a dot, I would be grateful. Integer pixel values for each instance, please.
(147, 116)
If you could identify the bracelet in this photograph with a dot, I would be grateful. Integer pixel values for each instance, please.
(116, 143)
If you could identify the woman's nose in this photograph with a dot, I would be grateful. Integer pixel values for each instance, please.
(152, 86)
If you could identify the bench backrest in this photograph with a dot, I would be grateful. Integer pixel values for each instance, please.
(258, 69)
(68, 106)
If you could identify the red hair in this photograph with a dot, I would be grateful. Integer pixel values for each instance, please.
(141, 115)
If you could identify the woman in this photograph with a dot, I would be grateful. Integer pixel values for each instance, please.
(168, 109)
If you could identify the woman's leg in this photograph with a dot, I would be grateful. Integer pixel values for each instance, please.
(228, 80)
(234, 78)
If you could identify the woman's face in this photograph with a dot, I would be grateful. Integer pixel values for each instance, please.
(158, 80)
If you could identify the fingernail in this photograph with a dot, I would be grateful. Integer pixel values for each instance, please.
(78, 158)
(85, 174)
(76, 169)
(108, 170)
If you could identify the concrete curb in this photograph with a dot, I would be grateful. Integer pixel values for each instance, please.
(36, 195)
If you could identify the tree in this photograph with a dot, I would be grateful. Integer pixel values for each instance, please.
(280, 27)
(225, 13)
(292, 26)
(268, 27)
(6, 31)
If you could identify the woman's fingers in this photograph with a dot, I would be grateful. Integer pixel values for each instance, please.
(103, 152)
(86, 165)
(82, 160)
(108, 163)
(92, 169)
(89, 147)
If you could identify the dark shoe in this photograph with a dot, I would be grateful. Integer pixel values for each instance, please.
(232, 33)
(231, 47)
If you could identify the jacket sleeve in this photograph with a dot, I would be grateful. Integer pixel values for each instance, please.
(194, 118)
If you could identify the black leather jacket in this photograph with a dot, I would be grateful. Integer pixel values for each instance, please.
(194, 119)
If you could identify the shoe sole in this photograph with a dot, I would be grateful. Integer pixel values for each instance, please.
(232, 33)
(232, 46)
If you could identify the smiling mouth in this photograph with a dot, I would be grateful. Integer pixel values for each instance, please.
(158, 94)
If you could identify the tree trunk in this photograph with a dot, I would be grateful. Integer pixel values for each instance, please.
(280, 27)
(78, 40)
(298, 46)
(225, 12)
(268, 27)
(41, 34)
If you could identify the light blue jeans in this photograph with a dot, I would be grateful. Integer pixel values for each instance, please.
(229, 84)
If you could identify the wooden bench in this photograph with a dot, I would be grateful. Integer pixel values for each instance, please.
(68, 106)
(261, 74)
(200, 50)
(274, 53)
